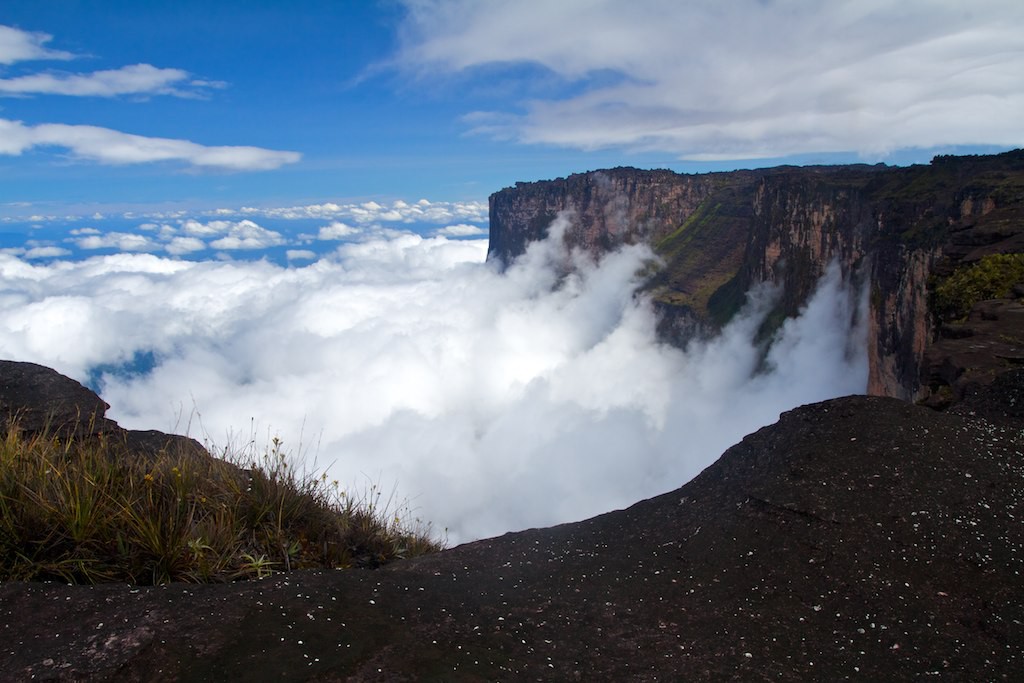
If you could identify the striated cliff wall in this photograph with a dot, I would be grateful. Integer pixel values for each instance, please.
(895, 229)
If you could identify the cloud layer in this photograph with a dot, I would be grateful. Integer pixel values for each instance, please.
(745, 80)
(494, 401)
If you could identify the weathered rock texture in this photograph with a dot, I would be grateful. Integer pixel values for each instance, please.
(720, 233)
(861, 538)
(36, 399)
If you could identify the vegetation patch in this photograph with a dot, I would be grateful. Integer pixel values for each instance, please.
(673, 243)
(90, 512)
(992, 277)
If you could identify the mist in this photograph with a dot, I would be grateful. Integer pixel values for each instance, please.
(491, 401)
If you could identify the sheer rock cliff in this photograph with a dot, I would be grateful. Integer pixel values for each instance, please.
(893, 230)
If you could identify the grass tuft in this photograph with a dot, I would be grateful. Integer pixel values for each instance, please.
(91, 511)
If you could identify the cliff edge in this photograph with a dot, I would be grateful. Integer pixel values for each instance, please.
(897, 229)
(861, 538)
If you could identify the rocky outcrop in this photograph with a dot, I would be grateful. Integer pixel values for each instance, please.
(35, 399)
(892, 229)
(861, 538)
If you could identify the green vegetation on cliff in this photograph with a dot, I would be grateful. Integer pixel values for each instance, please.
(88, 512)
(992, 277)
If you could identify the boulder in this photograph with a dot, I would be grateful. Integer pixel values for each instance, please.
(36, 399)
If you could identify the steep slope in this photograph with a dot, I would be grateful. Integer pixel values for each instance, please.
(893, 228)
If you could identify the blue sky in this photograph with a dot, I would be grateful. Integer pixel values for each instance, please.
(452, 100)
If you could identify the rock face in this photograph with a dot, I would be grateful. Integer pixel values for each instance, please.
(861, 538)
(720, 233)
(36, 399)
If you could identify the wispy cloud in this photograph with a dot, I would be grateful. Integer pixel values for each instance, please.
(114, 147)
(740, 80)
(20, 46)
(137, 79)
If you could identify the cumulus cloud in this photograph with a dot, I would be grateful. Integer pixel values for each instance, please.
(122, 241)
(19, 46)
(135, 79)
(461, 230)
(179, 246)
(747, 80)
(114, 147)
(494, 401)
(337, 231)
(248, 235)
(398, 211)
(194, 227)
(300, 255)
(46, 252)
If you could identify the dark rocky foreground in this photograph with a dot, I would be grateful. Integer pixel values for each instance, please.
(857, 539)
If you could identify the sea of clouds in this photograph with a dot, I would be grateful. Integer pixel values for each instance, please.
(491, 401)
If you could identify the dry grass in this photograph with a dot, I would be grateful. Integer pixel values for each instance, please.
(90, 512)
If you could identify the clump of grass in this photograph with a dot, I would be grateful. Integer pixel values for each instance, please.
(992, 277)
(91, 511)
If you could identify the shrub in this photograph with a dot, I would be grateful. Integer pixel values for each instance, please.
(992, 277)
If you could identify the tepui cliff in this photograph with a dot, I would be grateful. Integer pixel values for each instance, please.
(896, 230)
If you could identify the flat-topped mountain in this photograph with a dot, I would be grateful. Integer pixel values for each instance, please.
(899, 229)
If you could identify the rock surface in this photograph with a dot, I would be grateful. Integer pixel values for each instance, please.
(857, 539)
(890, 227)
(36, 399)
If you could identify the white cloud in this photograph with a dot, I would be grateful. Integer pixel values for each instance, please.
(122, 241)
(194, 227)
(744, 80)
(46, 252)
(461, 230)
(179, 246)
(84, 231)
(127, 80)
(247, 235)
(300, 255)
(19, 46)
(337, 231)
(495, 401)
(114, 147)
(399, 211)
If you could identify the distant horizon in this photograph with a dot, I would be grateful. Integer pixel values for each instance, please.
(18, 212)
(181, 106)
